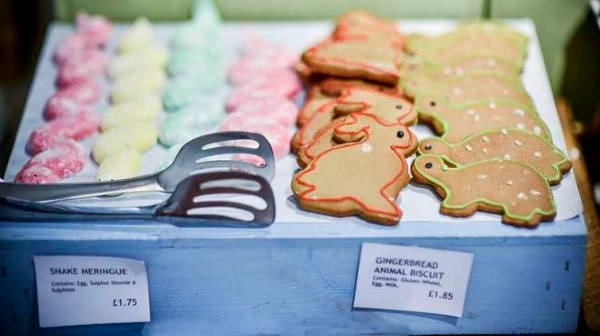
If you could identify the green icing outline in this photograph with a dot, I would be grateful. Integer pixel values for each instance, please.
(445, 127)
(438, 183)
(555, 178)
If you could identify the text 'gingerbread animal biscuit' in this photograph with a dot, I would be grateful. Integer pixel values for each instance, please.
(510, 188)
(456, 122)
(509, 144)
(385, 106)
(463, 89)
(355, 58)
(363, 176)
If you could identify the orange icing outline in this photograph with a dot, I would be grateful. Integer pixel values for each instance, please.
(314, 49)
(339, 100)
(313, 165)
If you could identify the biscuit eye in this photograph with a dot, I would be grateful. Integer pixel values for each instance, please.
(432, 103)
(399, 107)
(427, 147)
(400, 134)
(429, 165)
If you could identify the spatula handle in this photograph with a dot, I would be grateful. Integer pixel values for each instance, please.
(68, 191)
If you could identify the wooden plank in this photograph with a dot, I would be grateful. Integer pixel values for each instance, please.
(591, 285)
(283, 286)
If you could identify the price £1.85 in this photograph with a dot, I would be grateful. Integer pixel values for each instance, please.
(441, 295)
(125, 302)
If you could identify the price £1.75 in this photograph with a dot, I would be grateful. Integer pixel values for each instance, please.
(129, 302)
(441, 295)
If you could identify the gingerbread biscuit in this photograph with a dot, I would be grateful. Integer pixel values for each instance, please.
(389, 108)
(463, 65)
(510, 188)
(463, 89)
(508, 144)
(373, 60)
(455, 122)
(342, 181)
(361, 24)
(482, 39)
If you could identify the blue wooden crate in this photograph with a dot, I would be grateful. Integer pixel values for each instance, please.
(298, 276)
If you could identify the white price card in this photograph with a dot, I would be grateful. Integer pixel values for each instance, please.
(78, 290)
(412, 279)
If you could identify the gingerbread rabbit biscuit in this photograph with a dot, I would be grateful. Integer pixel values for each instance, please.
(343, 181)
(509, 144)
(463, 89)
(373, 60)
(385, 106)
(510, 188)
(456, 122)
(329, 88)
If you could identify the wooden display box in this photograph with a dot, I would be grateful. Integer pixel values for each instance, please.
(298, 276)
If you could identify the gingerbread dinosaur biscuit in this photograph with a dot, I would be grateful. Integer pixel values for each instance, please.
(510, 188)
(509, 144)
(454, 122)
(362, 176)
(374, 60)
(387, 107)
(463, 65)
(485, 39)
(463, 89)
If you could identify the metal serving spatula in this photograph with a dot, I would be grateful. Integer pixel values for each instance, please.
(227, 193)
(186, 163)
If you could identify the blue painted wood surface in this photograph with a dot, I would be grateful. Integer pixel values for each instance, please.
(253, 285)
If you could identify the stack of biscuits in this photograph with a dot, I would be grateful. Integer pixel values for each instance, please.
(493, 153)
(367, 82)
(353, 136)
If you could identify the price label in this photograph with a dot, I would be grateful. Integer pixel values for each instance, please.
(79, 290)
(412, 279)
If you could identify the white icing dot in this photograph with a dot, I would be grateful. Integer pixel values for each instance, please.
(520, 126)
(481, 176)
(506, 157)
(518, 143)
(469, 148)
(491, 62)
(504, 131)
(492, 105)
(459, 71)
(496, 117)
(537, 130)
(513, 203)
(470, 112)
(510, 183)
(484, 150)
(505, 92)
(485, 138)
(521, 196)
(525, 171)
(534, 192)
(519, 112)
(537, 154)
(447, 70)
(366, 147)
(456, 90)
(476, 118)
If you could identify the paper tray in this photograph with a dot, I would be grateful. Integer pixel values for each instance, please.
(418, 204)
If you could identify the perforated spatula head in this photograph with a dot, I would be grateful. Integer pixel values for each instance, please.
(195, 157)
(222, 196)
